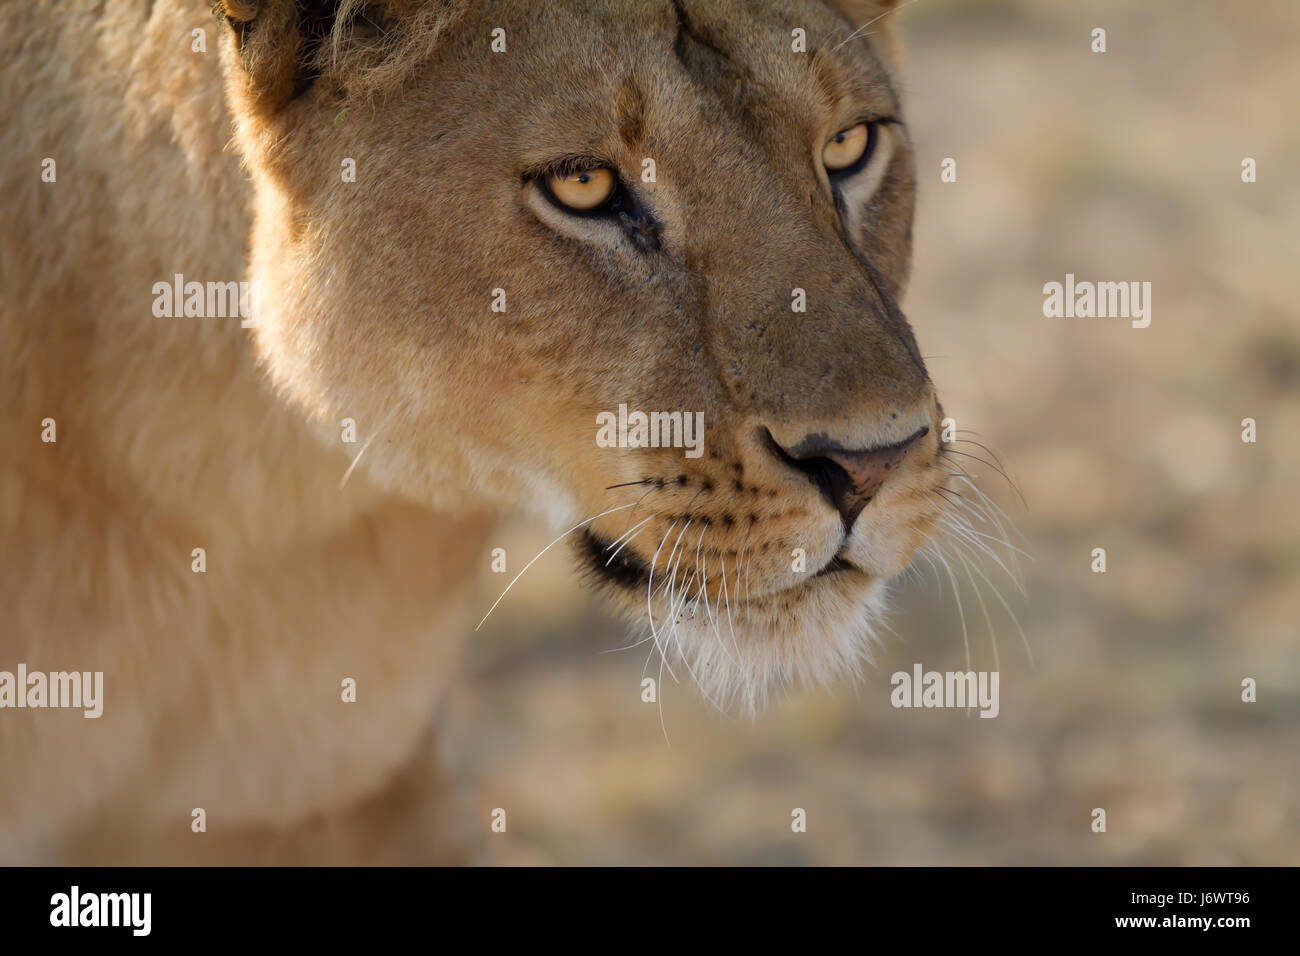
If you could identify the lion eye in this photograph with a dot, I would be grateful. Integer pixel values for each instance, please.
(847, 148)
(584, 190)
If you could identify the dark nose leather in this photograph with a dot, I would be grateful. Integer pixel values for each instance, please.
(849, 478)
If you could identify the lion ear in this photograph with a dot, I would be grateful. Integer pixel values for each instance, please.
(875, 19)
(278, 43)
(285, 46)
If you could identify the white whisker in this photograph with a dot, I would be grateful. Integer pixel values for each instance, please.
(348, 474)
(543, 551)
(649, 594)
(624, 544)
(856, 33)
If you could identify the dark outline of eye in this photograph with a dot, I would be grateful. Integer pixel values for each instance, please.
(620, 200)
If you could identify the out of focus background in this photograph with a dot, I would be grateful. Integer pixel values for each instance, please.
(1117, 166)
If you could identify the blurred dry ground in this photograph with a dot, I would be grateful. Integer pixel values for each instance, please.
(1117, 166)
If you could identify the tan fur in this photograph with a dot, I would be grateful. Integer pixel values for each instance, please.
(373, 303)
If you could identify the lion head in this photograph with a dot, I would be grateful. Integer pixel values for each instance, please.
(496, 233)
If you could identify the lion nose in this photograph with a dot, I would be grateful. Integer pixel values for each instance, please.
(848, 478)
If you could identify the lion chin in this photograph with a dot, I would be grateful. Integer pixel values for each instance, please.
(739, 664)
(739, 652)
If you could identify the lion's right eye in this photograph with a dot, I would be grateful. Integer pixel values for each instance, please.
(584, 190)
(849, 149)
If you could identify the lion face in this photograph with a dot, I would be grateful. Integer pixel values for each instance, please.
(622, 207)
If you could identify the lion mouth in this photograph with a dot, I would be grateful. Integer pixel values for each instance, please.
(624, 569)
(621, 567)
(838, 565)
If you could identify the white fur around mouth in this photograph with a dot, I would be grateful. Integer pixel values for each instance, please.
(737, 660)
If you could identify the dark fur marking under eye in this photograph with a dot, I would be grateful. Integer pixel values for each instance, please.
(642, 230)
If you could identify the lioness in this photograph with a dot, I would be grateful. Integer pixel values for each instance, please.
(470, 230)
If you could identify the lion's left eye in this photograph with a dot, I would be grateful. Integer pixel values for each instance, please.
(584, 190)
(849, 149)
